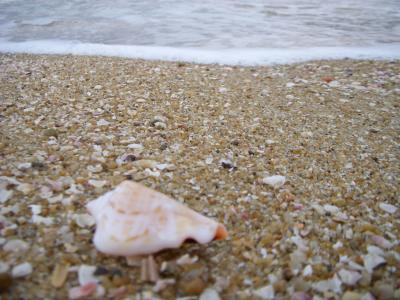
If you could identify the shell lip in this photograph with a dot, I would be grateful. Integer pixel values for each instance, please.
(221, 233)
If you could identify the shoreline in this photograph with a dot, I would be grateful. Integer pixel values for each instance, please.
(331, 127)
(239, 56)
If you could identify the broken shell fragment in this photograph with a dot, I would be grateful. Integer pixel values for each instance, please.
(135, 220)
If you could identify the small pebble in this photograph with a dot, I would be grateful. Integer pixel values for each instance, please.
(4, 267)
(383, 291)
(51, 132)
(5, 195)
(16, 246)
(275, 181)
(145, 163)
(103, 122)
(21, 270)
(59, 275)
(160, 125)
(209, 294)
(5, 282)
(351, 296)
(389, 208)
(192, 287)
(266, 292)
(84, 220)
(300, 296)
(86, 274)
(97, 183)
(349, 277)
(371, 261)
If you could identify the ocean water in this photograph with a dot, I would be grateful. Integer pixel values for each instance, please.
(223, 31)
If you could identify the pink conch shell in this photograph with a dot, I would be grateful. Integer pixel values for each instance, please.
(135, 220)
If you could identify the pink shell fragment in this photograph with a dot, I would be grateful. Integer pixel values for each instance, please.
(134, 220)
(118, 292)
(82, 291)
(381, 242)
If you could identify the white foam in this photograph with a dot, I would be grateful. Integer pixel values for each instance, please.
(247, 56)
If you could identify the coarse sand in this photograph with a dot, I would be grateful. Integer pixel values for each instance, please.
(73, 127)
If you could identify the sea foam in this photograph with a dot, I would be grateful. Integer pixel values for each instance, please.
(244, 56)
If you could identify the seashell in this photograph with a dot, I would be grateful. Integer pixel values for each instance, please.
(275, 181)
(134, 220)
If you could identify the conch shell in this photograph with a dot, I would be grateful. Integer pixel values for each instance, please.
(134, 220)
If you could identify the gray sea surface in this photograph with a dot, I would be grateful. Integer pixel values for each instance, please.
(206, 24)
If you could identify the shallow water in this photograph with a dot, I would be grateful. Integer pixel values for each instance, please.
(206, 24)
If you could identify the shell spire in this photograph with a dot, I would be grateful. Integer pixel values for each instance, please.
(134, 220)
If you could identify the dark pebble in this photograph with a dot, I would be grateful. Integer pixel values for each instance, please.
(5, 281)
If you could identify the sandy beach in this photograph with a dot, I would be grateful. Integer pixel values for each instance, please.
(73, 127)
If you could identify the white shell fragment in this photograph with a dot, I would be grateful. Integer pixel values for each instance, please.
(381, 242)
(371, 261)
(4, 267)
(349, 277)
(16, 246)
(135, 220)
(334, 284)
(5, 195)
(186, 260)
(84, 220)
(389, 208)
(97, 183)
(209, 294)
(266, 292)
(21, 270)
(86, 274)
(275, 181)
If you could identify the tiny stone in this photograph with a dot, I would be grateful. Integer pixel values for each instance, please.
(160, 125)
(100, 271)
(97, 183)
(349, 277)
(158, 119)
(25, 188)
(300, 296)
(51, 132)
(135, 146)
(275, 181)
(102, 122)
(84, 220)
(383, 291)
(5, 281)
(5, 195)
(331, 209)
(226, 164)
(266, 292)
(371, 261)
(388, 208)
(351, 296)
(209, 294)
(186, 259)
(4, 267)
(16, 246)
(307, 271)
(21, 270)
(59, 275)
(192, 287)
(145, 163)
(24, 166)
(86, 275)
